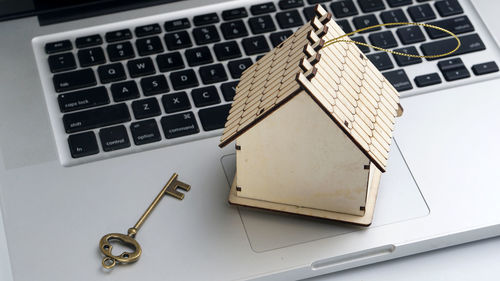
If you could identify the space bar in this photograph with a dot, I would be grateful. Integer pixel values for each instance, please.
(94, 118)
(469, 43)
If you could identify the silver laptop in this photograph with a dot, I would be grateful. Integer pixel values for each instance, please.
(101, 101)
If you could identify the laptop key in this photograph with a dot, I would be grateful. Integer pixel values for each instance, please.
(427, 80)
(124, 91)
(456, 74)
(234, 29)
(95, 118)
(278, 37)
(361, 39)
(198, 56)
(399, 3)
(178, 24)
(263, 8)
(140, 67)
(178, 40)
(227, 50)
(148, 46)
(205, 96)
(214, 118)
(206, 34)
(144, 132)
(74, 80)
(183, 79)
(111, 73)
(470, 43)
(448, 7)
(457, 25)
(404, 61)
(59, 46)
(289, 19)
(410, 34)
(381, 61)
(393, 16)
(399, 80)
(309, 12)
(422, 12)
(169, 62)
(114, 138)
(371, 5)
(84, 144)
(146, 108)
(83, 99)
(342, 9)
(366, 21)
(205, 19)
(179, 125)
(118, 35)
(236, 67)
(154, 85)
(344, 24)
(146, 30)
(450, 64)
(212, 73)
(485, 68)
(261, 24)
(229, 90)
(289, 4)
(120, 51)
(175, 102)
(383, 39)
(233, 14)
(62, 62)
(90, 57)
(255, 45)
(88, 41)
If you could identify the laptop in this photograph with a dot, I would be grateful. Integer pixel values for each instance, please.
(102, 101)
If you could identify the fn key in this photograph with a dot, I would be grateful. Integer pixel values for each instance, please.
(83, 144)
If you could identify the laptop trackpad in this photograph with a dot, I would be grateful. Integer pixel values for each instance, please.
(399, 199)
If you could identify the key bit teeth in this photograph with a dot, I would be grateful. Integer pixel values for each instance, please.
(172, 189)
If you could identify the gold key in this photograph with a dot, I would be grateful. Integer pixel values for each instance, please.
(110, 260)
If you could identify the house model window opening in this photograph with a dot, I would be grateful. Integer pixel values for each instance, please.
(313, 127)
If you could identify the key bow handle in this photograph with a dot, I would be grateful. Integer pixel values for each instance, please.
(110, 260)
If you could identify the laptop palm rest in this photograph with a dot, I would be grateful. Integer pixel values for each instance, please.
(399, 199)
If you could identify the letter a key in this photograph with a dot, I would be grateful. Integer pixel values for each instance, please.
(110, 260)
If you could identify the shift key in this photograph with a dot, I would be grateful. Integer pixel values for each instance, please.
(94, 118)
(74, 80)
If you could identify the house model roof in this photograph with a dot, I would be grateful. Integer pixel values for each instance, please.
(342, 81)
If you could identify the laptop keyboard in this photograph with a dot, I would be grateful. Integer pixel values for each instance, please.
(153, 83)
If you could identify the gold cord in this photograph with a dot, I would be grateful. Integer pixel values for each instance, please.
(336, 40)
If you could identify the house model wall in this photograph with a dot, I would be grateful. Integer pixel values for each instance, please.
(313, 127)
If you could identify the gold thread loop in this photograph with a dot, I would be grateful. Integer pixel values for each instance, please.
(336, 40)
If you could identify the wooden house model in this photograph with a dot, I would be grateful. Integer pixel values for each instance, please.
(313, 127)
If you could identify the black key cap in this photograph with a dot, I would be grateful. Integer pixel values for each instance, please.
(361, 39)
(213, 73)
(120, 51)
(399, 3)
(289, 19)
(59, 46)
(74, 80)
(450, 64)
(111, 72)
(154, 85)
(146, 30)
(398, 79)
(259, 57)
(456, 74)
(198, 56)
(205, 19)
(309, 12)
(233, 14)
(255, 45)
(146, 108)
(410, 34)
(237, 67)
(381, 61)
(94, 118)
(229, 90)
(83, 99)
(178, 40)
(393, 16)
(170, 61)
(114, 138)
(205, 96)
(261, 24)
(485, 68)
(227, 50)
(344, 24)
(92, 56)
(179, 125)
(371, 5)
(456, 25)
(342, 9)
(422, 12)
(183, 79)
(140, 67)
(383, 39)
(312, 2)
(404, 61)
(118, 35)
(427, 80)
(148, 46)
(83, 144)
(448, 8)
(206, 34)
(175, 102)
(263, 8)
(144, 132)
(365, 21)
(289, 4)
(124, 91)
(214, 117)
(88, 41)
(178, 24)
(62, 62)
(470, 43)
(234, 29)
(278, 37)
